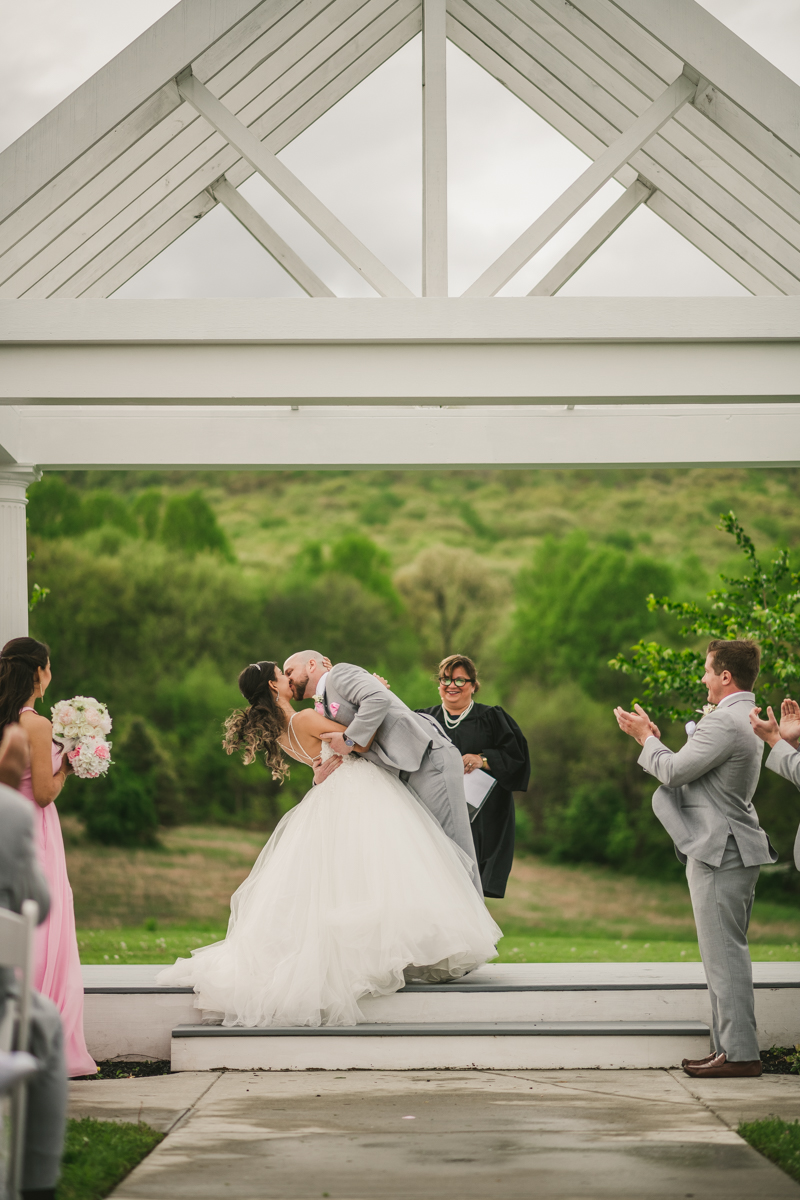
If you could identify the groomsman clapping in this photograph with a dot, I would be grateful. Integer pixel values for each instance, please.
(784, 738)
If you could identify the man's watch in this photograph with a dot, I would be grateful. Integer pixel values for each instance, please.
(484, 762)
(348, 741)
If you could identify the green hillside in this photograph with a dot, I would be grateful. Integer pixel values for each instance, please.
(163, 585)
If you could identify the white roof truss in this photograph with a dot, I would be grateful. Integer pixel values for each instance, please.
(661, 96)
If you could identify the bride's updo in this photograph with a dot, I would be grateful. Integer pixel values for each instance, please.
(258, 727)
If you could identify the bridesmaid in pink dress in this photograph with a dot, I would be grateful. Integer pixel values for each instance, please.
(25, 666)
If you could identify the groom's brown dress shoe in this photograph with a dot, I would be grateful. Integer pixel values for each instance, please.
(698, 1062)
(720, 1068)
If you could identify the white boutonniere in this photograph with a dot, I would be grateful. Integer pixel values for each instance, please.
(318, 699)
(691, 726)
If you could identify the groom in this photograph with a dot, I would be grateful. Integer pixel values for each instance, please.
(410, 745)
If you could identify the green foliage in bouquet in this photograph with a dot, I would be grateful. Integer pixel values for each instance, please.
(762, 604)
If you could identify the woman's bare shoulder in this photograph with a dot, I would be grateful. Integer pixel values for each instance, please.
(35, 725)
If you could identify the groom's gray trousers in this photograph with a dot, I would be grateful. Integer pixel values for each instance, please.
(439, 785)
(722, 899)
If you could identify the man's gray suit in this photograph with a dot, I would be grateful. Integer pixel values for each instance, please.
(705, 805)
(21, 879)
(785, 760)
(411, 745)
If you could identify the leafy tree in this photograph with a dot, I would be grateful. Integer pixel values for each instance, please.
(120, 809)
(761, 604)
(54, 508)
(452, 599)
(190, 525)
(147, 509)
(358, 556)
(577, 605)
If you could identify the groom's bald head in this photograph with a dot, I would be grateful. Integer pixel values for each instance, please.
(303, 670)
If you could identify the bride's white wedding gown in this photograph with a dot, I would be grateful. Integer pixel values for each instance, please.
(357, 889)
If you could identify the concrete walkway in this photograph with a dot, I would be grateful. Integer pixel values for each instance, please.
(365, 1135)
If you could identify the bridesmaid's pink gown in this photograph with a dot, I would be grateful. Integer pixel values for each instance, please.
(57, 971)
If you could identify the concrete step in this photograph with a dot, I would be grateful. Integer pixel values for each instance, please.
(482, 1045)
(127, 1014)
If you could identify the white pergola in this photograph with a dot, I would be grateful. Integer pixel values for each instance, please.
(661, 97)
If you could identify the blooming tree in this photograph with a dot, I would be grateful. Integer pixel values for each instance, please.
(762, 604)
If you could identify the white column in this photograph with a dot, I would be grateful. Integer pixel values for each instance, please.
(14, 481)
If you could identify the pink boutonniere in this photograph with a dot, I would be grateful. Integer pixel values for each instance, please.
(320, 708)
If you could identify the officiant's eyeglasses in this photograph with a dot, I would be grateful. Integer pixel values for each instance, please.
(459, 683)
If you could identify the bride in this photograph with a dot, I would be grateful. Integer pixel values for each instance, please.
(357, 890)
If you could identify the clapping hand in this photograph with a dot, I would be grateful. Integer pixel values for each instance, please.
(790, 722)
(637, 724)
(768, 730)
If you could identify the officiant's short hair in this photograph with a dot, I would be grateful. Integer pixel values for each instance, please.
(452, 661)
(740, 656)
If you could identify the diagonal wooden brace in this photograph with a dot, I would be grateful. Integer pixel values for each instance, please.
(587, 185)
(290, 187)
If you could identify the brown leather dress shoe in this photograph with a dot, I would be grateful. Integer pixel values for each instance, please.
(720, 1068)
(698, 1062)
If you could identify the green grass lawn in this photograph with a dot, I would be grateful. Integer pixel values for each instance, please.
(137, 944)
(777, 1140)
(99, 1154)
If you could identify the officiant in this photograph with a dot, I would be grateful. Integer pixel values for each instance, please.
(489, 741)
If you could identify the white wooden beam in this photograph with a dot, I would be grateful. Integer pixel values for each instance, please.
(434, 148)
(291, 188)
(593, 239)
(691, 33)
(587, 185)
(272, 241)
(409, 352)
(510, 321)
(413, 438)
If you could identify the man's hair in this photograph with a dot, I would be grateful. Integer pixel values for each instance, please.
(740, 656)
(449, 664)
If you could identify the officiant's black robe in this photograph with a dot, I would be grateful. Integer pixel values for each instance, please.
(494, 734)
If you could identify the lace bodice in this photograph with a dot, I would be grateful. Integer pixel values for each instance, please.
(348, 759)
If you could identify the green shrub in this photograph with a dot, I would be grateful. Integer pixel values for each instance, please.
(120, 809)
(190, 525)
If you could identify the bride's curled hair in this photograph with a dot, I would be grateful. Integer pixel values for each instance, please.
(259, 726)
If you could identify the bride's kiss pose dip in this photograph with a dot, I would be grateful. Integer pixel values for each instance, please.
(358, 890)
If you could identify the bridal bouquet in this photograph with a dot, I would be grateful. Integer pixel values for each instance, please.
(81, 725)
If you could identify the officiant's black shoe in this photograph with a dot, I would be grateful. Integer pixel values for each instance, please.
(720, 1068)
(698, 1062)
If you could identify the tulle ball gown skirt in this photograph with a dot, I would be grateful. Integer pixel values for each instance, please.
(357, 890)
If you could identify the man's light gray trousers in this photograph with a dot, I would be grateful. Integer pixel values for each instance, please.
(722, 899)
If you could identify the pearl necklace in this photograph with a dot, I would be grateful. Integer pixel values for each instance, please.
(454, 722)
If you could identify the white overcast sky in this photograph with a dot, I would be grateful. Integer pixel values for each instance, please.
(363, 159)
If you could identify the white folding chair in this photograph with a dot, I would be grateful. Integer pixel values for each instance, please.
(16, 950)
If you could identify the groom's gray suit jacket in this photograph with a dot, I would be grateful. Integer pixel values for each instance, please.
(411, 745)
(708, 787)
(785, 760)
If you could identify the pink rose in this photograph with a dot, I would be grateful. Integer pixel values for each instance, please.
(92, 717)
(67, 715)
(101, 751)
(73, 754)
(334, 707)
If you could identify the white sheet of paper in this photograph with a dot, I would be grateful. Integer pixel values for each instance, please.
(477, 788)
